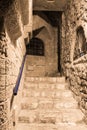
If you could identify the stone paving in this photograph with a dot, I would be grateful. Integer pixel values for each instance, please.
(48, 104)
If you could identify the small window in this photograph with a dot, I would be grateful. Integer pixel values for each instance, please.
(35, 47)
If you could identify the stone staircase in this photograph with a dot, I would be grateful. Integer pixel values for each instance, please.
(48, 104)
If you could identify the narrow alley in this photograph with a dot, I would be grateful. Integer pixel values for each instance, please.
(43, 64)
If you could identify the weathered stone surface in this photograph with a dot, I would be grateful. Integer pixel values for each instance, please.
(73, 18)
(14, 24)
(10, 61)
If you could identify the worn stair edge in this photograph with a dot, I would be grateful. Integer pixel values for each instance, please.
(68, 116)
(45, 79)
(60, 86)
(46, 93)
(61, 126)
(48, 104)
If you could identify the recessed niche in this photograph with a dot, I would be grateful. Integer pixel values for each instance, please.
(81, 45)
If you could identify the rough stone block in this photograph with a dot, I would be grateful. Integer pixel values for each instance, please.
(45, 104)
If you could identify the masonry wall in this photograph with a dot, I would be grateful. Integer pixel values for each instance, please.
(13, 62)
(12, 50)
(75, 16)
(3, 101)
(9, 70)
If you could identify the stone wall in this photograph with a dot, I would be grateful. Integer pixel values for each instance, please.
(9, 69)
(77, 77)
(3, 99)
(75, 16)
(12, 50)
(13, 61)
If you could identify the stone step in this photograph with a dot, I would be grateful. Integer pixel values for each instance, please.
(45, 79)
(52, 117)
(69, 103)
(48, 86)
(47, 93)
(48, 104)
(62, 126)
(38, 71)
(45, 103)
